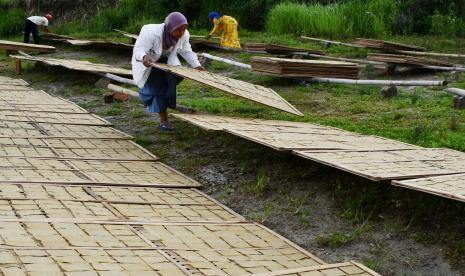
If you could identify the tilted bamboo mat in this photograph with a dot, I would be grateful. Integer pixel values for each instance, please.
(302, 68)
(66, 148)
(341, 269)
(396, 164)
(53, 118)
(62, 203)
(19, 46)
(100, 172)
(449, 186)
(386, 46)
(283, 135)
(99, 44)
(408, 60)
(79, 65)
(256, 93)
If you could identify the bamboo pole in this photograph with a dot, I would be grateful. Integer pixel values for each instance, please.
(331, 42)
(228, 61)
(380, 82)
(118, 79)
(456, 91)
(432, 54)
(442, 68)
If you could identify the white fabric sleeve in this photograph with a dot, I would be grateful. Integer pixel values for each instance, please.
(144, 43)
(187, 53)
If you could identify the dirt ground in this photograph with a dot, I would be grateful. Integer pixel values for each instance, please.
(304, 201)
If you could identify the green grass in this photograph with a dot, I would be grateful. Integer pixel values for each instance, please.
(348, 19)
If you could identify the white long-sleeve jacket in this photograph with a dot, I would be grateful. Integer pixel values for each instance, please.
(150, 43)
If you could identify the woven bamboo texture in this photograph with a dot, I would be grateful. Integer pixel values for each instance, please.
(386, 46)
(99, 44)
(301, 68)
(32, 170)
(7, 80)
(13, 87)
(396, 164)
(79, 65)
(64, 107)
(408, 60)
(242, 89)
(449, 186)
(52, 202)
(282, 135)
(280, 49)
(341, 269)
(11, 129)
(98, 149)
(19, 46)
(53, 118)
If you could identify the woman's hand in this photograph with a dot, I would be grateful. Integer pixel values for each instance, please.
(200, 68)
(147, 60)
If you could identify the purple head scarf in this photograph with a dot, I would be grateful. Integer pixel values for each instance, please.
(172, 22)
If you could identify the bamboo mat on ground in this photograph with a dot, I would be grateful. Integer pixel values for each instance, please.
(53, 118)
(341, 269)
(302, 68)
(256, 93)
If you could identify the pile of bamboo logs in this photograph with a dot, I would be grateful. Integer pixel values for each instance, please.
(386, 46)
(407, 60)
(301, 68)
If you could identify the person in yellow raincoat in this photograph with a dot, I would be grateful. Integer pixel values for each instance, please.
(228, 26)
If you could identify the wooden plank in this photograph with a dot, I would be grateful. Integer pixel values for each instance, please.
(339, 269)
(98, 172)
(448, 186)
(396, 164)
(88, 149)
(242, 89)
(19, 46)
(79, 65)
(284, 135)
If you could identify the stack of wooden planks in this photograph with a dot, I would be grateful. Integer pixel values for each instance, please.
(408, 60)
(301, 68)
(386, 46)
(276, 49)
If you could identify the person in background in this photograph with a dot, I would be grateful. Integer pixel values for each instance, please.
(32, 26)
(228, 26)
(161, 43)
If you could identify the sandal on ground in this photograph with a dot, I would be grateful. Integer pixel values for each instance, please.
(165, 127)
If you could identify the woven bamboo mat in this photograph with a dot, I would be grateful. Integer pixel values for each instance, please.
(448, 186)
(11, 81)
(87, 262)
(386, 46)
(99, 149)
(79, 65)
(99, 44)
(100, 172)
(11, 45)
(341, 269)
(283, 135)
(51, 202)
(7, 88)
(53, 118)
(396, 164)
(408, 60)
(42, 130)
(63, 107)
(242, 89)
(213, 249)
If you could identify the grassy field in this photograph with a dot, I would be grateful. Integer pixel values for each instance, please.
(331, 213)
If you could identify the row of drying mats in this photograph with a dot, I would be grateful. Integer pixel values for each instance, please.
(78, 197)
